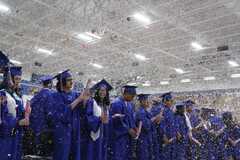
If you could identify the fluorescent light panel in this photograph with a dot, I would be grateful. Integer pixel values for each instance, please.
(164, 83)
(210, 78)
(140, 57)
(93, 35)
(15, 62)
(179, 70)
(84, 37)
(88, 37)
(235, 75)
(185, 80)
(233, 63)
(45, 51)
(142, 18)
(4, 8)
(96, 65)
(197, 46)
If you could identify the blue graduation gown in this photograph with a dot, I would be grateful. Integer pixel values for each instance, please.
(234, 134)
(84, 131)
(66, 124)
(96, 149)
(144, 142)
(121, 140)
(8, 124)
(19, 130)
(157, 134)
(216, 143)
(180, 146)
(39, 118)
(212, 147)
(167, 125)
(193, 149)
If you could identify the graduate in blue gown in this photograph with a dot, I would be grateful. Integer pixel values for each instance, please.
(194, 117)
(232, 137)
(7, 119)
(168, 127)
(15, 92)
(7, 125)
(65, 109)
(216, 143)
(157, 110)
(205, 139)
(40, 122)
(182, 130)
(98, 122)
(123, 124)
(145, 121)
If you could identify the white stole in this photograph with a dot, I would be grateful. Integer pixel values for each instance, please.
(97, 111)
(11, 104)
(188, 121)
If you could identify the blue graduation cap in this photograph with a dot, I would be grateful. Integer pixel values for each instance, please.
(189, 103)
(197, 110)
(227, 116)
(16, 70)
(180, 105)
(4, 61)
(63, 75)
(130, 89)
(217, 122)
(143, 97)
(167, 96)
(46, 79)
(102, 83)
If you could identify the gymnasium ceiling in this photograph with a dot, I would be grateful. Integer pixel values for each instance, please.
(159, 45)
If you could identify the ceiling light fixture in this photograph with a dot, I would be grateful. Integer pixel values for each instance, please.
(45, 51)
(96, 65)
(140, 57)
(233, 63)
(84, 37)
(93, 35)
(197, 46)
(164, 83)
(88, 37)
(142, 18)
(185, 80)
(4, 8)
(235, 75)
(179, 70)
(15, 62)
(210, 78)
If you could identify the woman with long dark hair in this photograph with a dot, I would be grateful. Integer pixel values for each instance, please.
(21, 114)
(97, 116)
(12, 117)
